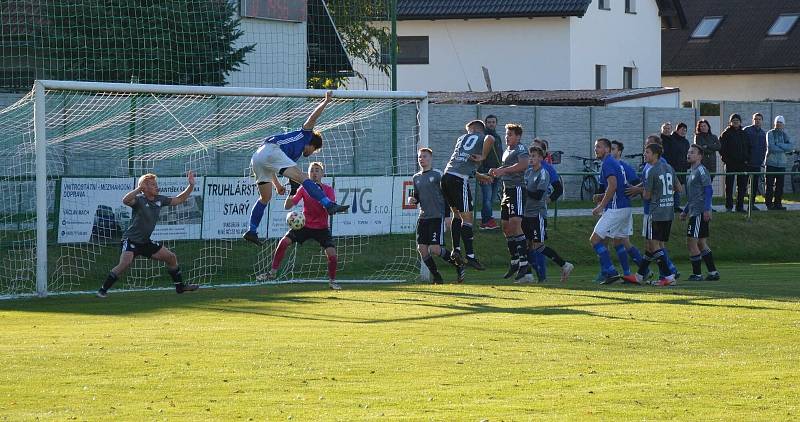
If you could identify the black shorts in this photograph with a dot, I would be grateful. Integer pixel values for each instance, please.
(456, 192)
(697, 228)
(535, 228)
(146, 249)
(430, 231)
(322, 236)
(658, 230)
(512, 204)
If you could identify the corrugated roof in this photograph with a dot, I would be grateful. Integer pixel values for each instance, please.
(466, 9)
(740, 43)
(593, 97)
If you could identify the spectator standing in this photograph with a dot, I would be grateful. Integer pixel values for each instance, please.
(666, 132)
(710, 144)
(757, 142)
(735, 154)
(676, 146)
(778, 145)
(490, 187)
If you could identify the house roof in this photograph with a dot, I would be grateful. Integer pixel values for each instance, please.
(740, 43)
(466, 9)
(593, 97)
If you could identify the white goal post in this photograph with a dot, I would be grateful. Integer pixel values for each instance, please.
(354, 120)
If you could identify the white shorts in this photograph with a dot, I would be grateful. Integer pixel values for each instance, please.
(645, 222)
(615, 223)
(267, 161)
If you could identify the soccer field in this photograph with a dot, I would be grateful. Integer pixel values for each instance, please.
(485, 350)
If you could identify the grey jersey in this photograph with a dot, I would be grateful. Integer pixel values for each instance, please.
(536, 180)
(466, 145)
(659, 183)
(696, 181)
(428, 192)
(511, 156)
(145, 217)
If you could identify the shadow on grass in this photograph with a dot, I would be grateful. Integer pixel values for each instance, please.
(746, 293)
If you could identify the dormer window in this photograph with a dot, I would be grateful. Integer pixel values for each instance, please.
(706, 27)
(783, 25)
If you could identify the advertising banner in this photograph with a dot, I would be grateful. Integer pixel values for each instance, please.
(92, 209)
(180, 222)
(227, 203)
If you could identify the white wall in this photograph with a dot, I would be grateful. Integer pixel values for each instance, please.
(616, 39)
(775, 86)
(279, 59)
(520, 53)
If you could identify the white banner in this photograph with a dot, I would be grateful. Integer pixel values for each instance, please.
(370, 200)
(226, 212)
(181, 222)
(404, 216)
(92, 207)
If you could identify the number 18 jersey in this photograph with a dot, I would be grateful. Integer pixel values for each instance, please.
(659, 183)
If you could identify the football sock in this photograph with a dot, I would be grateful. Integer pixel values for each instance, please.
(605, 259)
(255, 215)
(709, 260)
(280, 251)
(622, 255)
(521, 249)
(332, 261)
(455, 233)
(431, 264)
(553, 255)
(316, 192)
(511, 243)
(176, 275)
(695, 261)
(540, 262)
(466, 233)
(661, 259)
(634, 254)
(110, 280)
(644, 264)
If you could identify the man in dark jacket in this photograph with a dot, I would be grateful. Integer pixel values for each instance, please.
(757, 143)
(676, 146)
(489, 190)
(735, 154)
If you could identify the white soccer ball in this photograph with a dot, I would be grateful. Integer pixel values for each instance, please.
(295, 220)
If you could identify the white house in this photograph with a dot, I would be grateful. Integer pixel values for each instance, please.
(530, 45)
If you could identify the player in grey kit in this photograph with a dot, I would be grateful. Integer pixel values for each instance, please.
(512, 206)
(659, 189)
(534, 221)
(698, 212)
(432, 212)
(146, 204)
(470, 150)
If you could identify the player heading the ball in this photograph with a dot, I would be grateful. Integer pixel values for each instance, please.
(278, 155)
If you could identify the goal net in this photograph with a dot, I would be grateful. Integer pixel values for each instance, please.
(71, 150)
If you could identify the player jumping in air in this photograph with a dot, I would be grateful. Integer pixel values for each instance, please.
(277, 156)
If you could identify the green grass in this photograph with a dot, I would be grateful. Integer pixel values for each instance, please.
(485, 350)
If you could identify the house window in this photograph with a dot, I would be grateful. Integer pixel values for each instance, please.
(410, 50)
(604, 4)
(630, 6)
(599, 76)
(706, 27)
(783, 25)
(628, 77)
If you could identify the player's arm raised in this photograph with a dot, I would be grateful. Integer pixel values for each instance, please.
(183, 196)
(130, 198)
(312, 119)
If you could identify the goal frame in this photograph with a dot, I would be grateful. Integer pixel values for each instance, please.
(40, 132)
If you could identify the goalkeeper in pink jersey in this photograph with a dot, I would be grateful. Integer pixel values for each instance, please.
(316, 227)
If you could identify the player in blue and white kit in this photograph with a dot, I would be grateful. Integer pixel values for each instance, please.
(613, 207)
(278, 155)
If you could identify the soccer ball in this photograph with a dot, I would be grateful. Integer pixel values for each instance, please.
(295, 220)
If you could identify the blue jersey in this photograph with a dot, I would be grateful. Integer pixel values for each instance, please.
(551, 171)
(612, 167)
(630, 174)
(291, 143)
(643, 176)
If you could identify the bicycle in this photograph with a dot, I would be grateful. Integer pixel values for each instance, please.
(795, 169)
(590, 185)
